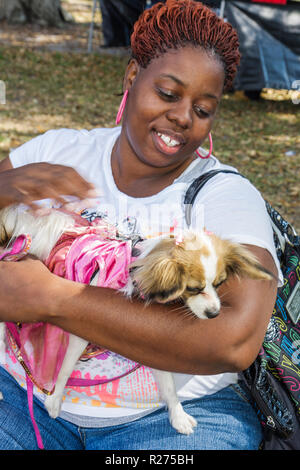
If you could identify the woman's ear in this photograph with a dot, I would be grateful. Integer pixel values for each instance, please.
(130, 74)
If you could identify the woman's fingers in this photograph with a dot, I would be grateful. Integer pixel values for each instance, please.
(39, 181)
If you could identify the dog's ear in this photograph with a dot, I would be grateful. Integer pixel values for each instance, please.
(160, 277)
(240, 261)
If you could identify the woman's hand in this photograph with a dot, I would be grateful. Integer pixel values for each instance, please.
(38, 181)
(26, 290)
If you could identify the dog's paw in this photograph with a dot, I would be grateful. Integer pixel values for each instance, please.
(182, 421)
(53, 405)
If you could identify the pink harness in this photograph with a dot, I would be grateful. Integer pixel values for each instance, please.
(78, 255)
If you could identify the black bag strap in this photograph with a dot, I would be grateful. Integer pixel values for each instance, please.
(286, 229)
(195, 187)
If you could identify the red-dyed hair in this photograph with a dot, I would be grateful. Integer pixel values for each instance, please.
(177, 23)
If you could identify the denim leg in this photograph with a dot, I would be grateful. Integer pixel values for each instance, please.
(16, 430)
(226, 421)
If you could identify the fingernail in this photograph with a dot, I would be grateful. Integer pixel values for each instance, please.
(96, 192)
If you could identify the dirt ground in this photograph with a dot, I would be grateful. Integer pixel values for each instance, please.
(73, 37)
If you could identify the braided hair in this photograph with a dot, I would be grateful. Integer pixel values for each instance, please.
(178, 23)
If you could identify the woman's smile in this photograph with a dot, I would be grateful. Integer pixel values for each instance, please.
(167, 142)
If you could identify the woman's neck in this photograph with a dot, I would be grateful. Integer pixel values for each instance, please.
(137, 179)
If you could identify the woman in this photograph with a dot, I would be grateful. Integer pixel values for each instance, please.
(183, 59)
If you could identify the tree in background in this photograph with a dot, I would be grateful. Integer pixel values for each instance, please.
(42, 12)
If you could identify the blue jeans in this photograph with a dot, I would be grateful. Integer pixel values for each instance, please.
(226, 421)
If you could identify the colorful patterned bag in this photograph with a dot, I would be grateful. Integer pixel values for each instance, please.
(273, 380)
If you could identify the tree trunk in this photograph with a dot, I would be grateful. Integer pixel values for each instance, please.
(42, 12)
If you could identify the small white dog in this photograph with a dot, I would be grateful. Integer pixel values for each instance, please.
(167, 269)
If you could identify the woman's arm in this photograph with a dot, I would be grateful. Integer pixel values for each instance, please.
(37, 181)
(5, 164)
(158, 336)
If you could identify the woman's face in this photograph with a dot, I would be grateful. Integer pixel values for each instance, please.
(171, 105)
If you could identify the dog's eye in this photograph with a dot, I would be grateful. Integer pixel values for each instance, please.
(218, 284)
(195, 290)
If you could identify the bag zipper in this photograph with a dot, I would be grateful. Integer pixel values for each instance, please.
(271, 421)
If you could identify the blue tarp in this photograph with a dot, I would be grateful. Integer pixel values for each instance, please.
(269, 43)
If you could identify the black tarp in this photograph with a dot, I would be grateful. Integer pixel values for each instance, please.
(118, 18)
(269, 43)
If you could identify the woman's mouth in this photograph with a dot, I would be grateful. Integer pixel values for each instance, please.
(167, 143)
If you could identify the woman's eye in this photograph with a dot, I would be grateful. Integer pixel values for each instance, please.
(167, 95)
(201, 112)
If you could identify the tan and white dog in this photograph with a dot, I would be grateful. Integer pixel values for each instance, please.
(167, 269)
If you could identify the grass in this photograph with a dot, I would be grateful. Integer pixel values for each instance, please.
(257, 138)
(46, 90)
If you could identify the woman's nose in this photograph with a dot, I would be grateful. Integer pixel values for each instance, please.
(181, 114)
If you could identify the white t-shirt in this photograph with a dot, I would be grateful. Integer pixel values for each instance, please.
(228, 205)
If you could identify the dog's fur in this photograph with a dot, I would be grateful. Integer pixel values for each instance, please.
(167, 270)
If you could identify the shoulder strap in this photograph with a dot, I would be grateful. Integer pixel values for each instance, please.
(195, 187)
(281, 227)
(285, 228)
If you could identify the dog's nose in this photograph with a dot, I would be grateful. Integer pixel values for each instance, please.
(211, 313)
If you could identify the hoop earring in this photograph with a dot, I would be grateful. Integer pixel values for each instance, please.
(210, 149)
(122, 107)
